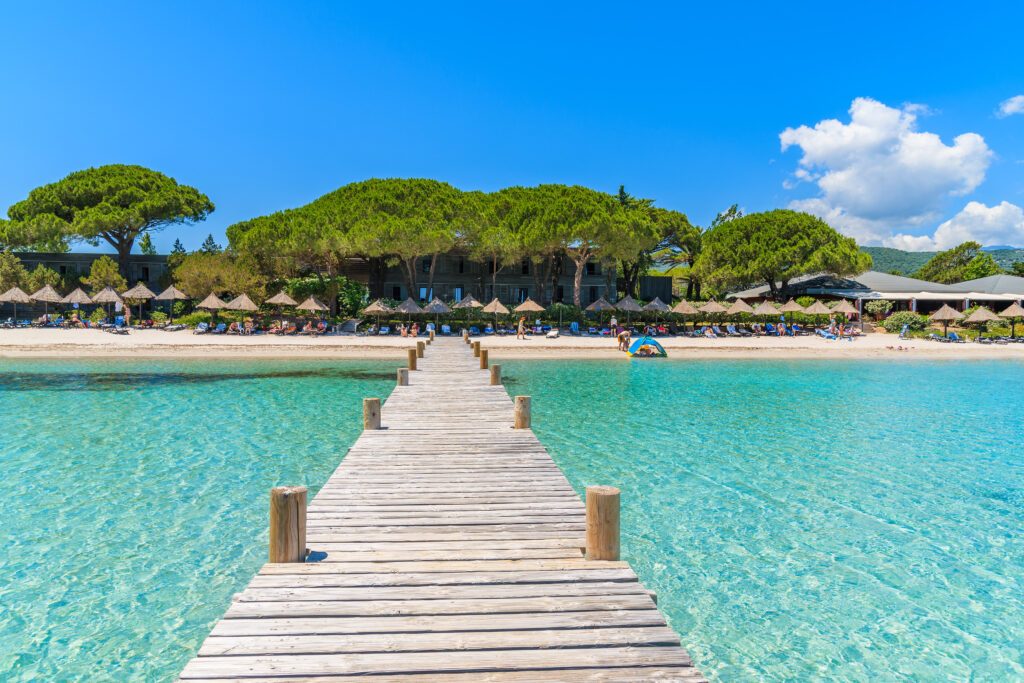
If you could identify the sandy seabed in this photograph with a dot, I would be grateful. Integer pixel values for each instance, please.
(58, 343)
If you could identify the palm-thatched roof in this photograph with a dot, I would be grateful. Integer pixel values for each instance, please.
(818, 308)
(792, 306)
(740, 307)
(656, 305)
(1014, 310)
(77, 297)
(712, 307)
(14, 295)
(845, 307)
(212, 303)
(409, 306)
(684, 307)
(281, 299)
(312, 304)
(600, 305)
(242, 302)
(496, 307)
(437, 307)
(981, 315)
(138, 292)
(529, 306)
(378, 307)
(172, 293)
(765, 308)
(628, 304)
(468, 302)
(945, 314)
(47, 295)
(107, 295)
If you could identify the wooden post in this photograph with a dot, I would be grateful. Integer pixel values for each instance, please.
(403, 377)
(421, 347)
(465, 336)
(522, 412)
(431, 335)
(602, 523)
(288, 524)
(412, 359)
(483, 359)
(495, 374)
(476, 349)
(371, 413)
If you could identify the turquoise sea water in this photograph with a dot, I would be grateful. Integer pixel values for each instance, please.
(844, 520)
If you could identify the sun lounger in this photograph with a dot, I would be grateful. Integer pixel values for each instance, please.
(574, 328)
(955, 338)
(717, 331)
(474, 331)
(827, 335)
(220, 329)
(446, 330)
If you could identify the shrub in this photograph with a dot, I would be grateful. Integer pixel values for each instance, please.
(98, 315)
(158, 316)
(879, 309)
(193, 319)
(896, 321)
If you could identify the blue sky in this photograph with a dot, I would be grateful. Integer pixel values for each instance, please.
(266, 106)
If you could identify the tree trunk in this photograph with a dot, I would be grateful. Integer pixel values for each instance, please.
(123, 244)
(689, 289)
(430, 277)
(555, 274)
(630, 276)
(375, 280)
(409, 266)
(494, 277)
(577, 279)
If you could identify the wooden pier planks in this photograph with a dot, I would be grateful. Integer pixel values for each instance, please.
(449, 548)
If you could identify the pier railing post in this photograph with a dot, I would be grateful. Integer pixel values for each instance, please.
(421, 347)
(495, 374)
(403, 377)
(288, 524)
(465, 336)
(412, 359)
(431, 337)
(371, 413)
(521, 415)
(476, 349)
(483, 359)
(602, 523)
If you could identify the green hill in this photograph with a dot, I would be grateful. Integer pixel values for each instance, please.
(888, 260)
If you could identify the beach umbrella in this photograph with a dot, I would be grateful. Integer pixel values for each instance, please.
(15, 296)
(408, 307)
(739, 307)
(377, 308)
(170, 295)
(313, 305)
(140, 293)
(212, 303)
(281, 299)
(817, 308)
(497, 308)
(437, 307)
(48, 295)
(765, 308)
(712, 307)
(846, 308)
(979, 317)
(1013, 311)
(945, 315)
(629, 305)
(791, 307)
(529, 306)
(242, 302)
(107, 295)
(468, 302)
(656, 306)
(600, 306)
(684, 307)
(77, 297)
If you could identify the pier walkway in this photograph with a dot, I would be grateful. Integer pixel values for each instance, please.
(446, 547)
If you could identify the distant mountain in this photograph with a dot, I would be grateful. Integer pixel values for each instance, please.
(888, 260)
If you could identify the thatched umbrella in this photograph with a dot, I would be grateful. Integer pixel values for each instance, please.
(739, 307)
(170, 295)
(77, 297)
(945, 315)
(377, 308)
(212, 303)
(468, 301)
(242, 302)
(15, 296)
(600, 306)
(629, 305)
(107, 295)
(140, 293)
(791, 307)
(313, 305)
(765, 308)
(408, 307)
(712, 308)
(1012, 312)
(529, 306)
(981, 316)
(437, 307)
(497, 308)
(656, 306)
(846, 308)
(684, 307)
(48, 295)
(817, 308)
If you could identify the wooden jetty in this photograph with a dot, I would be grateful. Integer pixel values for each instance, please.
(447, 546)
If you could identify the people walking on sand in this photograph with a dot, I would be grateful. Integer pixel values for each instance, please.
(521, 328)
(623, 338)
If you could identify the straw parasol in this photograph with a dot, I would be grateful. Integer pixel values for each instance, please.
(77, 297)
(408, 307)
(765, 308)
(48, 295)
(712, 307)
(656, 305)
(497, 308)
(600, 306)
(945, 315)
(377, 308)
(242, 302)
(529, 306)
(468, 302)
(170, 295)
(313, 305)
(981, 316)
(437, 307)
(817, 308)
(628, 304)
(684, 307)
(846, 308)
(212, 303)
(281, 299)
(1012, 312)
(15, 296)
(739, 307)
(140, 293)
(791, 307)
(107, 295)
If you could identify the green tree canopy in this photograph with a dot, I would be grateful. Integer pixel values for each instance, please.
(104, 273)
(146, 245)
(12, 272)
(40, 276)
(774, 247)
(115, 204)
(199, 274)
(210, 246)
(959, 264)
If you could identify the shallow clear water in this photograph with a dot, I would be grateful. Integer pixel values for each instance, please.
(848, 520)
(135, 500)
(844, 520)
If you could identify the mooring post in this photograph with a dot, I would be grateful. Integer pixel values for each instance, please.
(602, 523)
(371, 413)
(522, 412)
(431, 336)
(412, 359)
(403, 377)
(288, 524)
(420, 348)
(476, 349)
(465, 336)
(483, 359)
(495, 374)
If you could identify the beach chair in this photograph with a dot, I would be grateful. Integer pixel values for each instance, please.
(956, 338)
(574, 328)
(201, 328)
(220, 329)
(770, 329)
(384, 330)
(798, 330)
(474, 331)
(718, 332)
(827, 335)
(446, 329)
(488, 330)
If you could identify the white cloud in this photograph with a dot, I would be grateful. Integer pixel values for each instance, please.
(879, 172)
(990, 225)
(1014, 105)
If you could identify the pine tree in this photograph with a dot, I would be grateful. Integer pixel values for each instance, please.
(210, 246)
(178, 247)
(146, 245)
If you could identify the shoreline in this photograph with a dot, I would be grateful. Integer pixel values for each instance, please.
(156, 344)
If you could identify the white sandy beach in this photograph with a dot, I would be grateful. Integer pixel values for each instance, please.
(56, 343)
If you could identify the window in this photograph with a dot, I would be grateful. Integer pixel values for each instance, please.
(458, 290)
(396, 293)
(423, 293)
(560, 293)
(592, 268)
(462, 265)
(526, 266)
(490, 267)
(425, 265)
(63, 270)
(593, 294)
(522, 294)
(145, 273)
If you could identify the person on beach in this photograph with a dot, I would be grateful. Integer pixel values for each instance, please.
(623, 338)
(127, 316)
(415, 330)
(521, 328)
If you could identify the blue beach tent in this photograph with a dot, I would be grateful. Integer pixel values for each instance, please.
(647, 347)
